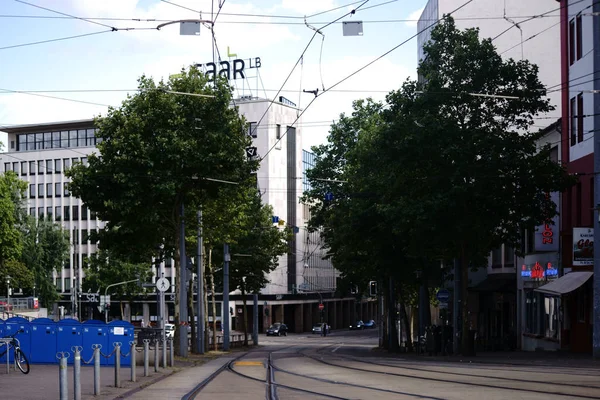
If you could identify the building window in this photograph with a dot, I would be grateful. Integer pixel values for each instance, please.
(48, 190)
(580, 117)
(58, 284)
(573, 110)
(48, 166)
(84, 161)
(75, 213)
(66, 189)
(6, 166)
(40, 212)
(57, 187)
(32, 191)
(579, 38)
(278, 136)
(32, 211)
(67, 163)
(31, 167)
(49, 212)
(40, 190)
(16, 167)
(67, 212)
(84, 212)
(67, 286)
(58, 213)
(55, 140)
(509, 257)
(93, 215)
(497, 257)
(84, 236)
(572, 41)
(252, 128)
(57, 166)
(23, 167)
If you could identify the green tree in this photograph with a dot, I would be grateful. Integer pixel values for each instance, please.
(12, 203)
(155, 152)
(259, 247)
(20, 276)
(104, 268)
(463, 173)
(45, 251)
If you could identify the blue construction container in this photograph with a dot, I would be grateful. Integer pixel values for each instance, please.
(43, 341)
(69, 334)
(95, 332)
(121, 332)
(13, 325)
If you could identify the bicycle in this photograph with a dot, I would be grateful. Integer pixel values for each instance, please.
(20, 358)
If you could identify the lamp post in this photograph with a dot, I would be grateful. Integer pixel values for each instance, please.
(8, 292)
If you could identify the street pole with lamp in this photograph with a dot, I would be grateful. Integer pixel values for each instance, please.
(8, 292)
(106, 293)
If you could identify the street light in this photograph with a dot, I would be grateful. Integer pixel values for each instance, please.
(8, 292)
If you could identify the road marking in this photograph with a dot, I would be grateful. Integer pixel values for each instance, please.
(248, 363)
(336, 349)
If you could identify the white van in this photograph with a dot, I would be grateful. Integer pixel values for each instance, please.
(169, 330)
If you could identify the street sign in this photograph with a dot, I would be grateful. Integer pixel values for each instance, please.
(321, 306)
(163, 284)
(443, 295)
(328, 196)
(443, 305)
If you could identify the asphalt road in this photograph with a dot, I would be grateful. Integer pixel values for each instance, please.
(344, 366)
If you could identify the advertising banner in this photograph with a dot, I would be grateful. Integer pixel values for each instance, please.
(583, 246)
(546, 235)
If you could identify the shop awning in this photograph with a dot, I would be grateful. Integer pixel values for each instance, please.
(566, 284)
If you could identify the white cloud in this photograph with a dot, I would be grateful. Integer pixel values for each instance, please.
(415, 15)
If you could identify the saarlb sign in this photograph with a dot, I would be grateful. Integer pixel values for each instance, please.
(231, 69)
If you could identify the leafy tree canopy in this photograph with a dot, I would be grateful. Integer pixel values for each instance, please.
(12, 195)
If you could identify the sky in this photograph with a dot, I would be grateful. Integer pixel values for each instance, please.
(274, 30)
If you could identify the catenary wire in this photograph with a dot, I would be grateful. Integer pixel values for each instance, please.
(362, 68)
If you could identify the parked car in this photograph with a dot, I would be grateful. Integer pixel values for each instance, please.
(358, 325)
(169, 330)
(318, 328)
(370, 324)
(277, 329)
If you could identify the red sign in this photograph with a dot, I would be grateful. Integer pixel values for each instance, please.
(36, 304)
(321, 306)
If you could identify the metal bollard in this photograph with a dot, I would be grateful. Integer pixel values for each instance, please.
(77, 372)
(62, 376)
(96, 348)
(146, 356)
(164, 353)
(156, 355)
(132, 353)
(117, 364)
(172, 352)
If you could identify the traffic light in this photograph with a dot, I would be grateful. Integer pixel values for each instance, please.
(373, 288)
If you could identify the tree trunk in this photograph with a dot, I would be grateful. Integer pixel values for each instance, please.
(214, 304)
(206, 326)
(121, 308)
(404, 317)
(176, 321)
(465, 350)
(192, 314)
(245, 316)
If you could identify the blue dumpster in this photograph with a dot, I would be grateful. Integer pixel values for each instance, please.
(43, 341)
(13, 325)
(2, 335)
(68, 335)
(95, 332)
(121, 332)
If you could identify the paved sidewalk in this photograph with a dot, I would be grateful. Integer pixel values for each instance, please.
(178, 385)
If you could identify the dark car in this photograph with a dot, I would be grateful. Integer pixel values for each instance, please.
(357, 325)
(277, 329)
(370, 324)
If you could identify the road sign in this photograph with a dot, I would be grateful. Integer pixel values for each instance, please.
(163, 284)
(328, 196)
(321, 306)
(443, 295)
(443, 305)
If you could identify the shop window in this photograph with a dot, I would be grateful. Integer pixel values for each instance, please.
(497, 257)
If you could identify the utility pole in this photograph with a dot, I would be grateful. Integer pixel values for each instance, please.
(255, 319)
(596, 277)
(225, 307)
(183, 335)
(200, 291)
(457, 306)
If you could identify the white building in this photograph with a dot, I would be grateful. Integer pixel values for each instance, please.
(41, 153)
(514, 32)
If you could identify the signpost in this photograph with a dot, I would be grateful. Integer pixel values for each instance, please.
(443, 295)
(321, 306)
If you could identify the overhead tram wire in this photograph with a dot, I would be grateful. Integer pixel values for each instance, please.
(14, 46)
(66, 15)
(361, 69)
(296, 64)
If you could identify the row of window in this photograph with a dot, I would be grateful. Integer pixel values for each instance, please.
(57, 140)
(60, 188)
(63, 213)
(253, 129)
(56, 166)
(576, 120)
